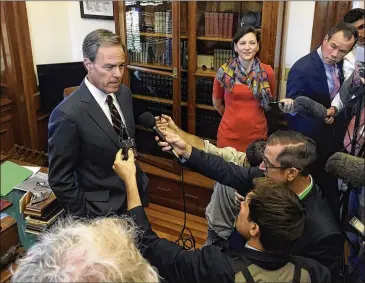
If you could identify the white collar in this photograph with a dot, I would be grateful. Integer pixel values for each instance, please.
(98, 94)
(252, 248)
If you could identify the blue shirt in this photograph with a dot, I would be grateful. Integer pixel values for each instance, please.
(328, 69)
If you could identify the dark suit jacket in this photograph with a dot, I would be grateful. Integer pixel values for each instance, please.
(211, 264)
(82, 149)
(321, 240)
(308, 78)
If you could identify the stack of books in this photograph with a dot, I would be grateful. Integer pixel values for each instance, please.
(40, 216)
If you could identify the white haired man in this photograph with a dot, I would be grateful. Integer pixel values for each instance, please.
(96, 250)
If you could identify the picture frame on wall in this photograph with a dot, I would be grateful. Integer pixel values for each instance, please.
(97, 10)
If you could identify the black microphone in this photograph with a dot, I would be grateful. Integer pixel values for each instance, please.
(308, 107)
(148, 121)
(347, 167)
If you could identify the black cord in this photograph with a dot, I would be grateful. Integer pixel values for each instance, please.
(187, 241)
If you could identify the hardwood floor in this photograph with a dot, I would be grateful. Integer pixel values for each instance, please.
(167, 223)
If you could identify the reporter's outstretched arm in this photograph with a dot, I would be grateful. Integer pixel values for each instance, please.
(126, 170)
(165, 123)
(173, 263)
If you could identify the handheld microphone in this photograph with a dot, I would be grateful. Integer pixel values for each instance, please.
(148, 121)
(308, 107)
(347, 167)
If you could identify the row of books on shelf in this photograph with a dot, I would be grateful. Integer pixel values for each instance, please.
(156, 85)
(219, 24)
(221, 56)
(204, 90)
(152, 51)
(207, 123)
(158, 22)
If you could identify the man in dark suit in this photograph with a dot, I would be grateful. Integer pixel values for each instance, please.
(86, 130)
(271, 219)
(319, 76)
(286, 158)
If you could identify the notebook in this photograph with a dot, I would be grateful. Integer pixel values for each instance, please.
(11, 175)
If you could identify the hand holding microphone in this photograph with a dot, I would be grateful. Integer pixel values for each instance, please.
(148, 121)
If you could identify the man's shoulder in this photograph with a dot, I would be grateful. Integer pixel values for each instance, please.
(320, 218)
(305, 62)
(70, 105)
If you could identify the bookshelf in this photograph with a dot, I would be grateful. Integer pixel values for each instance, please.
(174, 49)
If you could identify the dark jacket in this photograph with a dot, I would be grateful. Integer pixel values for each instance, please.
(82, 148)
(210, 264)
(321, 240)
(308, 78)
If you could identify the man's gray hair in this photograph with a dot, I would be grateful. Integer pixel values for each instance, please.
(94, 250)
(97, 38)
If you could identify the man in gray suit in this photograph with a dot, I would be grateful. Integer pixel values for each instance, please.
(85, 132)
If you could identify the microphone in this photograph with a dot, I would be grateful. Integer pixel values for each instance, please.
(308, 107)
(148, 121)
(347, 167)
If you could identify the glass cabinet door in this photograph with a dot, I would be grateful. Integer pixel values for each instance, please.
(153, 70)
(149, 34)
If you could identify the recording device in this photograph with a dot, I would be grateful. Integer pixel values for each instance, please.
(307, 107)
(358, 226)
(126, 145)
(359, 62)
(148, 121)
(347, 167)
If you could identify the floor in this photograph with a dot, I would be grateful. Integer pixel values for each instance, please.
(168, 223)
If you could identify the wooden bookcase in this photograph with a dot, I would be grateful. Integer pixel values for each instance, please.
(164, 40)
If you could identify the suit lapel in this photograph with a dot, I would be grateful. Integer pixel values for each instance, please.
(97, 114)
(317, 62)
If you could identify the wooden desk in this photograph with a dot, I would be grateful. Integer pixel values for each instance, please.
(26, 239)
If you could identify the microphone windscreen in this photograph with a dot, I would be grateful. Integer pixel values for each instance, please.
(308, 107)
(147, 120)
(347, 167)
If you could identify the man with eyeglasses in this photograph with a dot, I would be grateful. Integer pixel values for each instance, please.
(87, 129)
(287, 158)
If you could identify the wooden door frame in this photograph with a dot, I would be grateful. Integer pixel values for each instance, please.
(326, 15)
(21, 79)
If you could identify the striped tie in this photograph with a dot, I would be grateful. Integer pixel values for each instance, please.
(118, 124)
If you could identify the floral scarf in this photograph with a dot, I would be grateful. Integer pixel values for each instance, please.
(257, 80)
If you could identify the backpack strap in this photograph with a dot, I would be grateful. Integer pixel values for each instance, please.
(297, 273)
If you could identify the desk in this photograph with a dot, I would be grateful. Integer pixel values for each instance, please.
(26, 239)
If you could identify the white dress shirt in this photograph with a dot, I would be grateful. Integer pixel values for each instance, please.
(100, 98)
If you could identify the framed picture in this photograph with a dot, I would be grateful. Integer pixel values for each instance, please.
(97, 10)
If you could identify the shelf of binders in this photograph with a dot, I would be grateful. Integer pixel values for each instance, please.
(213, 38)
(205, 106)
(156, 99)
(157, 34)
(147, 65)
(208, 73)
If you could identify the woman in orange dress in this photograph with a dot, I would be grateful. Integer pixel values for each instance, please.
(242, 90)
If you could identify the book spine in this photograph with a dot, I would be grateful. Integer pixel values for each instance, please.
(220, 24)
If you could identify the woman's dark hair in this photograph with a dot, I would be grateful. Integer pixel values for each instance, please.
(243, 31)
(279, 214)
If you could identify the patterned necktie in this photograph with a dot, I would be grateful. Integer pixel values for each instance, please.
(336, 82)
(117, 122)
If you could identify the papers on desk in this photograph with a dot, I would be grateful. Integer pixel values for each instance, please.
(11, 175)
(36, 181)
(34, 169)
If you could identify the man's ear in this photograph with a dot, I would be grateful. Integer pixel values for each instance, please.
(325, 38)
(88, 64)
(254, 230)
(292, 174)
